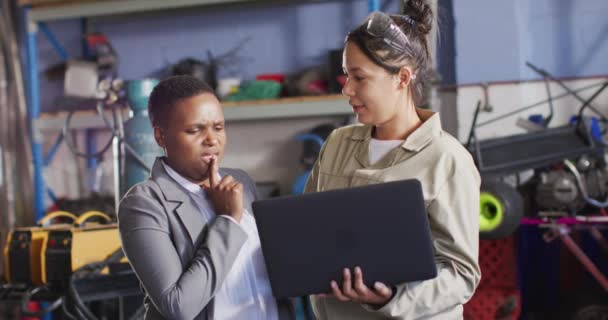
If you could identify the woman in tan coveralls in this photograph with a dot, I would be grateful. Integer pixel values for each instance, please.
(387, 63)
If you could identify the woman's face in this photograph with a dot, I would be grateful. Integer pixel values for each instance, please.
(374, 94)
(194, 134)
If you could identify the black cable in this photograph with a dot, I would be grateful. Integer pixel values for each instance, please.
(99, 154)
(79, 315)
(64, 307)
(84, 272)
(70, 144)
(81, 309)
(139, 313)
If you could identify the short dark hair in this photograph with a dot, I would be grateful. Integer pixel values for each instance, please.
(171, 90)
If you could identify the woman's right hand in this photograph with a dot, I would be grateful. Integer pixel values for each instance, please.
(226, 195)
(357, 291)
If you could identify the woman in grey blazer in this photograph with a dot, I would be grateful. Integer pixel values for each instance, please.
(188, 230)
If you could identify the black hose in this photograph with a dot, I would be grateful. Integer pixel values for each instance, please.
(99, 154)
(87, 271)
(70, 144)
(139, 313)
(64, 307)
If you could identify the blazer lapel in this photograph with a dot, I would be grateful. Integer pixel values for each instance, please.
(179, 202)
(192, 219)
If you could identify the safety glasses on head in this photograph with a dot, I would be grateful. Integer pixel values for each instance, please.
(381, 25)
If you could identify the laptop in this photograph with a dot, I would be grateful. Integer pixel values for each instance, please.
(308, 239)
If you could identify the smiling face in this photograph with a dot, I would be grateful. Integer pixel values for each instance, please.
(194, 132)
(375, 95)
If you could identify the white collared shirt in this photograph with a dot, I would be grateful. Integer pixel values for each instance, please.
(246, 292)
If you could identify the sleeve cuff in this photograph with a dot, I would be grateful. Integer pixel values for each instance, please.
(229, 218)
(378, 307)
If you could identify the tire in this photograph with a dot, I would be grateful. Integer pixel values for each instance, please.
(591, 312)
(501, 210)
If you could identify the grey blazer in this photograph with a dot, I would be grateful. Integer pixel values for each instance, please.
(180, 259)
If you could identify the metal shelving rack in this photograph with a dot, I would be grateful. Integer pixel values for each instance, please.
(332, 105)
(35, 19)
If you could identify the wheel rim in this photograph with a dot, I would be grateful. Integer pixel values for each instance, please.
(491, 212)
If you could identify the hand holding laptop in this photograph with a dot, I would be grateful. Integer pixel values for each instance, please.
(357, 291)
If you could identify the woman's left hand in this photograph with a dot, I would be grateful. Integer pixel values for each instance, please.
(358, 292)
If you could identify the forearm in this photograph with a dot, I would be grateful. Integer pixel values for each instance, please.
(178, 291)
(200, 280)
(425, 299)
(453, 216)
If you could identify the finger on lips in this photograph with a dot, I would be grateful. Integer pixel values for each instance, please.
(226, 181)
(213, 174)
(233, 186)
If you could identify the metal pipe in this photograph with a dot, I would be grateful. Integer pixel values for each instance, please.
(18, 136)
(49, 35)
(551, 108)
(7, 200)
(583, 187)
(516, 111)
(588, 102)
(116, 164)
(599, 237)
(472, 131)
(92, 162)
(547, 75)
(49, 156)
(25, 139)
(582, 257)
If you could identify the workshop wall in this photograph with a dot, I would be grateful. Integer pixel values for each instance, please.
(282, 38)
(494, 39)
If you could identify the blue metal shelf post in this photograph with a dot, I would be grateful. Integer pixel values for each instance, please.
(33, 90)
(373, 5)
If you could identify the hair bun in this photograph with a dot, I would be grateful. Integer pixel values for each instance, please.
(420, 11)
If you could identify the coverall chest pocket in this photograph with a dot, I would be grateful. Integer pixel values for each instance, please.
(328, 181)
(363, 177)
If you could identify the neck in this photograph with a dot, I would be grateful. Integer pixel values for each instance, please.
(401, 126)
